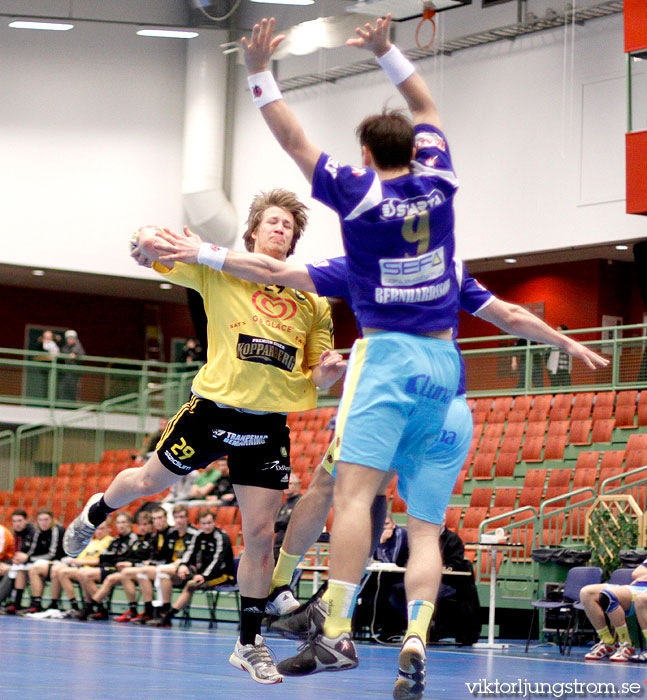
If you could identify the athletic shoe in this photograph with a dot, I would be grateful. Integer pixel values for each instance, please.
(86, 611)
(71, 614)
(141, 619)
(257, 660)
(281, 602)
(80, 530)
(159, 622)
(600, 651)
(98, 615)
(305, 623)
(32, 609)
(321, 654)
(640, 658)
(11, 610)
(126, 617)
(624, 653)
(410, 683)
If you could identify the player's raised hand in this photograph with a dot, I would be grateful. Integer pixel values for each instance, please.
(260, 46)
(374, 38)
(591, 359)
(332, 365)
(177, 247)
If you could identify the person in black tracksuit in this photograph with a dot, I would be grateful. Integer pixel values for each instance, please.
(45, 547)
(23, 534)
(208, 562)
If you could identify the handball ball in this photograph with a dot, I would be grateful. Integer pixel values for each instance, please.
(145, 237)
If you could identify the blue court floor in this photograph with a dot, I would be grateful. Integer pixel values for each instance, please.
(43, 659)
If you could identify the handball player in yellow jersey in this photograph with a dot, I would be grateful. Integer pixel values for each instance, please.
(268, 349)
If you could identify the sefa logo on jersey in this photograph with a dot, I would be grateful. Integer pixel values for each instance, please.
(274, 307)
(407, 272)
(393, 208)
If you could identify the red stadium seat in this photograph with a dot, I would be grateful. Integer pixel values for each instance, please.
(531, 451)
(535, 478)
(501, 514)
(502, 403)
(489, 445)
(511, 444)
(612, 458)
(505, 464)
(540, 413)
(635, 459)
(473, 517)
(625, 417)
(522, 403)
(562, 401)
(530, 496)
(458, 486)
(558, 428)
(543, 401)
(398, 505)
(481, 498)
(496, 417)
(514, 430)
(642, 414)
(627, 398)
(493, 431)
(583, 400)
(607, 474)
(505, 496)
(482, 468)
(453, 517)
(559, 477)
(555, 447)
(558, 414)
(587, 460)
(581, 413)
(602, 430)
(584, 477)
(536, 429)
(637, 441)
(580, 433)
(605, 398)
(517, 417)
(602, 412)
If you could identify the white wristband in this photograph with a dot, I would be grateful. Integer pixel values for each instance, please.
(212, 256)
(264, 88)
(396, 65)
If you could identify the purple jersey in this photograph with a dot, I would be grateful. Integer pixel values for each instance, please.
(330, 277)
(398, 236)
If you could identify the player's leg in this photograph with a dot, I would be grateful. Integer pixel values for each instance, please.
(38, 573)
(259, 508)
(590, 599)
(184, 446)
(617, 617)
(20, 584)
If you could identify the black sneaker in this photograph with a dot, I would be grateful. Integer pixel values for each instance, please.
(305, 623)
(281, 602)
(410, 683)
(160, 622)
(86, 611)
(321, 654)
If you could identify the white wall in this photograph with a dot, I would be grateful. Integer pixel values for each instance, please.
(539, 148)
(91, 124)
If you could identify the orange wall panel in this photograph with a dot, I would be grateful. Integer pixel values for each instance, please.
(636, 147)
(635, 12)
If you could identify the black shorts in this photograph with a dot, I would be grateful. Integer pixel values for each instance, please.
(106, 571)
(257, 446)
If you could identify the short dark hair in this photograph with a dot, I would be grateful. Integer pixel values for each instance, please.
(275, 198)
(389, 138)
(45, 511)
(124, 514)
(179, 508)
(21, 512)
(144, 517)
(157, 509)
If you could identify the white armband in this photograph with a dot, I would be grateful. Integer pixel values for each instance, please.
(212, 255)
(264, 88)
(396, 65)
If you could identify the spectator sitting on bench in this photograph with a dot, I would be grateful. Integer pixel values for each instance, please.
(208, 562)
(23, 534)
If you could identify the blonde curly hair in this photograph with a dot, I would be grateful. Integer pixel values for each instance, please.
(275, 198)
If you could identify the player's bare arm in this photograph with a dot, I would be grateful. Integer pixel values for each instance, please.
(254, 267)
(517, 321)
(415, 91)
(330, 368)
(281, 120)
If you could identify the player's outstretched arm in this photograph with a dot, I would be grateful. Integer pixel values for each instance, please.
(188, 247)
(517, 321)
(400, 70)
(278, 116)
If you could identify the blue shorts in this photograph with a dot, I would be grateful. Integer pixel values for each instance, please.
(397, 393)
(427, 485)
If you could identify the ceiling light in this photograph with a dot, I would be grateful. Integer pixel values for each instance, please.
(38, 273)
(622, 247)
(510, 260)
(286, 2)
(170, 33)
(165, 285)
(51, 26)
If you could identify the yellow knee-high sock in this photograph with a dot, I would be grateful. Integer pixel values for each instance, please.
(284, 569)
(605, 635)
(420, 613)
(340, 600)
(623, 634)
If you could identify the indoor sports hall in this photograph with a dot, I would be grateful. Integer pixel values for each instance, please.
(124, 121)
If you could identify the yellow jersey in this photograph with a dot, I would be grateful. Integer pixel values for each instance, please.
(95, 547)
(262, 340)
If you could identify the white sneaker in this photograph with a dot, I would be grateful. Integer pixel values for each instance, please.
(410, 683)
(80, 531)
(625, 651)
(257, 660)
(281, 602)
